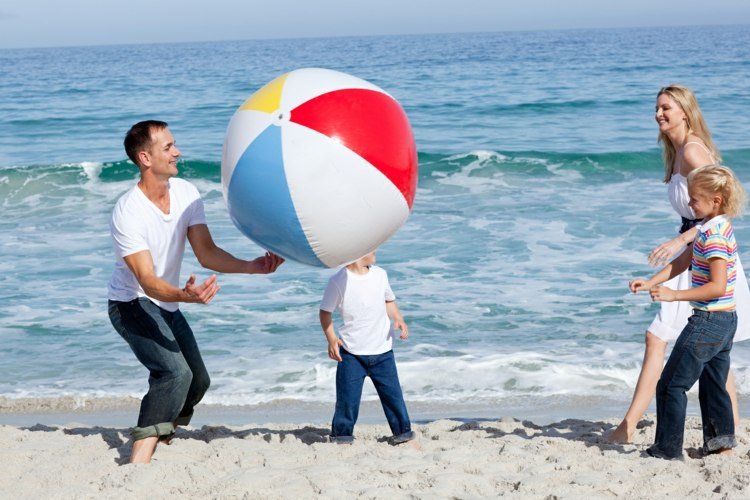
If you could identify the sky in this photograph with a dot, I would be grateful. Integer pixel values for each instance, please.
(60, 23)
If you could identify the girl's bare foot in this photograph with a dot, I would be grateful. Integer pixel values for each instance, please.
(699, 453)
(415, 444)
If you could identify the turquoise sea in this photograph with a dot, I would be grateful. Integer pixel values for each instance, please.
(539, 197)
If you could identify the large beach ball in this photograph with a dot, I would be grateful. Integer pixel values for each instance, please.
(319, 167)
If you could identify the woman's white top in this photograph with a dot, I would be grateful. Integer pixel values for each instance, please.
(678, 191)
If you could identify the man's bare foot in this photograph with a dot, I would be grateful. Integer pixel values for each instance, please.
(143, 450)
(166, 439)
(415, 444)
(621, 435)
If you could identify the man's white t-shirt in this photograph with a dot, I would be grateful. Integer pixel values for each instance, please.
(361, 298)
(137, 224)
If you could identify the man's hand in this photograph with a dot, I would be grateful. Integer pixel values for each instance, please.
(203, 293)
(266, 264)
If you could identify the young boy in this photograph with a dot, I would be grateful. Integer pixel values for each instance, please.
(361, 293)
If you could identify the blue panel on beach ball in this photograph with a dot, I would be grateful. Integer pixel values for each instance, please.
(267, 214)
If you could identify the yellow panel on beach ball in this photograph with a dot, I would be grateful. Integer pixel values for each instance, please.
(268, 98)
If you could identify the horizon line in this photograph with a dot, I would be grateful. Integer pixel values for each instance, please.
(373, 35)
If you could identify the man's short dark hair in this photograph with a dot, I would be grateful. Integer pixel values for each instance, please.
(138, 137)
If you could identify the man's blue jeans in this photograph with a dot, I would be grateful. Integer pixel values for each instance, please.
(164, 343)
(350, 376)
(701, 353)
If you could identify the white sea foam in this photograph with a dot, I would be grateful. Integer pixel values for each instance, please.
(92, 170)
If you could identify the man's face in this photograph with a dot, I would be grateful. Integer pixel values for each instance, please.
(162, 156)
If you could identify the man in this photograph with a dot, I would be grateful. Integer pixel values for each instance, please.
(149, 226)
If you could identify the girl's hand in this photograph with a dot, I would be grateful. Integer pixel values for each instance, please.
(663, 294)
(662, 254)
(638, 285)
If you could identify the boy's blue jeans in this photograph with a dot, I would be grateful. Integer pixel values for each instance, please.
(701, 353)
(164, 343)
(350, 376)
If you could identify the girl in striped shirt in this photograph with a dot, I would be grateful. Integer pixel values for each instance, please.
(701, 353)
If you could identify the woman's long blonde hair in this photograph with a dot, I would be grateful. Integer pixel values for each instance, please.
(718, 179)
(696, 125)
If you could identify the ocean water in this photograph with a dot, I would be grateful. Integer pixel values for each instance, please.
(539, 197)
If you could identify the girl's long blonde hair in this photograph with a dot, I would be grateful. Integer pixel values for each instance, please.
(718, 179)
(696, 125)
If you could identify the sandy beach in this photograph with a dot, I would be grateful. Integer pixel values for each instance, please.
(478, 458)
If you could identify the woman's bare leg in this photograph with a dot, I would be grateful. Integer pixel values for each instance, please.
(732, 390)
(653, 363)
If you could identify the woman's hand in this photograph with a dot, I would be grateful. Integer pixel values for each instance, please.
(664, 253)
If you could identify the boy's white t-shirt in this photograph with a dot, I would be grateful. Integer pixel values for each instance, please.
(360, 298)
(137, 224)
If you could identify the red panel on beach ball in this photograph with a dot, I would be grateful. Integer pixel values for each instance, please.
(371, 124)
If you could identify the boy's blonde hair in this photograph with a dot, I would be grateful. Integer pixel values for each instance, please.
(696, 125)
(718, 179)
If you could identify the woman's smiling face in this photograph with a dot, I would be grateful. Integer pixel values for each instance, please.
(669, 114)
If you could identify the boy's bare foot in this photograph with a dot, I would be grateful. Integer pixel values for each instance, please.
(621, 435)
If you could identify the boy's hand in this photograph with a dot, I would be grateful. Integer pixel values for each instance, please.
(333, 349)
(638, 285)
(663, 294)
(401, 325)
